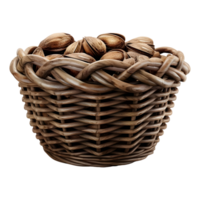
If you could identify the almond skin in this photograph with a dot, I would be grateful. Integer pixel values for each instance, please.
(94, 47)
(56, 42)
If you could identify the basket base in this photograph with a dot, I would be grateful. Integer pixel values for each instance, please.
(98, 161)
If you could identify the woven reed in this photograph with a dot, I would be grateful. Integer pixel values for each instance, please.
(105, 122)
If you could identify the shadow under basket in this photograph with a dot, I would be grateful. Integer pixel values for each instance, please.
(96, 119)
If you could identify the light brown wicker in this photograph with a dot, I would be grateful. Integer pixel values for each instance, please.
(95, 119)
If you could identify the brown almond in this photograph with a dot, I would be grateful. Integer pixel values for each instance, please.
(56, 42)
(117, 54)
(113, 40)
(81, 56)
(94, 47)
(75, 47)
(145, 40)
(141, 48)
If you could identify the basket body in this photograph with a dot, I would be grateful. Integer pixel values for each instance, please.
(80, 127)
(98, 130)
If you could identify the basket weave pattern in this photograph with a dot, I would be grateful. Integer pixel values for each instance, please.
(101, 122)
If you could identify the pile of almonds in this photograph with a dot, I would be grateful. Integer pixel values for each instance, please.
(91, 49)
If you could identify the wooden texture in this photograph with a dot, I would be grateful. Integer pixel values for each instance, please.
(106, 121)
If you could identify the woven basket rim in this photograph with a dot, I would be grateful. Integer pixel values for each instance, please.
(106, 81)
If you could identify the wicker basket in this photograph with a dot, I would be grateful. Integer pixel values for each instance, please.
(106, 122)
